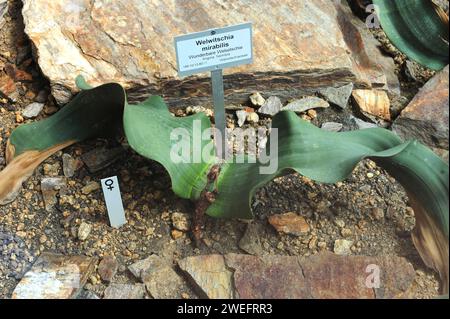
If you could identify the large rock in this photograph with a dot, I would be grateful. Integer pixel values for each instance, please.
(100, 158)
(370, 65)
(55, 277)
(426, 116)
(323, 276)
(299, 45)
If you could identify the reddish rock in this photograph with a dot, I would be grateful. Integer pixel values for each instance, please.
(330, 276)
(289, 223)
(325, 275)
(373, 68)
(269, 277)
(426, 116)
(21, 75)
(7, 85)
(107, 268)
(17, 74)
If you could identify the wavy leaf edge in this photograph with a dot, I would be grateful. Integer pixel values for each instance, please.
(303, 146)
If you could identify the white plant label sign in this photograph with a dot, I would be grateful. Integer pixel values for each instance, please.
(113, 200)
(214, 49)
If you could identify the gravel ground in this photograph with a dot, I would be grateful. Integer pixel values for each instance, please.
(369, 208)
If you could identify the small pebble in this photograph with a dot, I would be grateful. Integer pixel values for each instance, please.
(346, 232)
(89, 188)
(84, 230)
(256, 99)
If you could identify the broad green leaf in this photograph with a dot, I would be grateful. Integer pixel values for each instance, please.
(92, 113)
(148, 127)
(416, 29)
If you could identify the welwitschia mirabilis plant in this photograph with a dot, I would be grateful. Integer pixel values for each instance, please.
(319, 155)
(418, 28)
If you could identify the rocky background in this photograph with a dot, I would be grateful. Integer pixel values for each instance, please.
(322, 63)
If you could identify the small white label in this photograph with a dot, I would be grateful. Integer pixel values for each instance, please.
(113, 200)
(214, 49)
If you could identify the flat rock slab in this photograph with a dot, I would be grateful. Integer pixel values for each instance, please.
(329, 276)
(426, 116)
(324, 275)
(298, 44)
(306, 103)
(55, 277)
(210, 275)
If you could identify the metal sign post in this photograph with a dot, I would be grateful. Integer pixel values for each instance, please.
(219, 111)
(214, 50)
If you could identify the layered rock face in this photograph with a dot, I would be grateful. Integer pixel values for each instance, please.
(299, 45)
